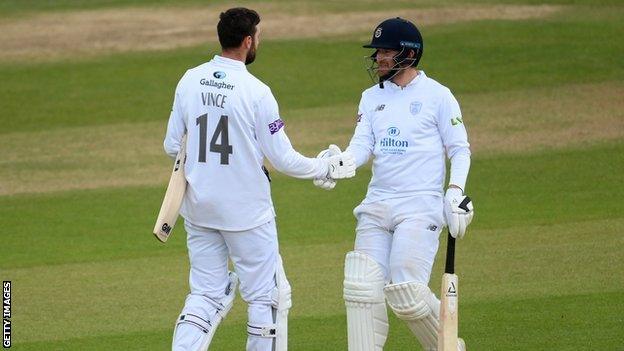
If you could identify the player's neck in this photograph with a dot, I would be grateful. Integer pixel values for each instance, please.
(405, 77)
(235, 54)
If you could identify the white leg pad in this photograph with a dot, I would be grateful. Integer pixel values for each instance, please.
(367, 318)
(200, 318)
(281, 303)
(418, 307)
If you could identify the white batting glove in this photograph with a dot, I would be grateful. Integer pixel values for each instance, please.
(458, 211)
(327, 183)
(341, 166)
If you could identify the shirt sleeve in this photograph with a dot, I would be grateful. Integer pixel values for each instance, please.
(176, 128)
(455, 139)
(362, 143)
(276, 146)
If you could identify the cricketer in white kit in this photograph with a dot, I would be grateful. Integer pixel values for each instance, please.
(409, 124)
(232, 123)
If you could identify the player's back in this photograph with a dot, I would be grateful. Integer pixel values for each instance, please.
(227, 186)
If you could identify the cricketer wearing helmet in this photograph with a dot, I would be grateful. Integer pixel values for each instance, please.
(408, 123)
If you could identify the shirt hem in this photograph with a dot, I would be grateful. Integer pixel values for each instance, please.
(368, 200)
(219, 226)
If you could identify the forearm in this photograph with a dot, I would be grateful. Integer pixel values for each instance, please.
(172, 145)
(176, 128)
(360, 153)
(460, 166)
(296, 165)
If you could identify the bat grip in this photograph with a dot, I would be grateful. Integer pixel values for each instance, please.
(450, 255)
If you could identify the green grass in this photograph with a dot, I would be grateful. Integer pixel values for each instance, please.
(523, 55)
(530, 324)
(477, 57)
(540, 268)
(536, 190)
(549, 187)
(21, 7)
(535, 257)
(25, 7)
(141, 85)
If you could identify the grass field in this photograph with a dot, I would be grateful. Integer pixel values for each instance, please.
(82, 171)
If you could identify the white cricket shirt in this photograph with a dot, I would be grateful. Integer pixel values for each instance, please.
(233, 122)
(409, 131)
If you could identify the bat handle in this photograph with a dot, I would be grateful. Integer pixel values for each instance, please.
(450, 255)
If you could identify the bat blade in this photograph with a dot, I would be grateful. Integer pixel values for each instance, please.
(170, 208)
(447, 338)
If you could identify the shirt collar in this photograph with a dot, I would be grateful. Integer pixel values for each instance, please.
(419, 77)
(224, 61)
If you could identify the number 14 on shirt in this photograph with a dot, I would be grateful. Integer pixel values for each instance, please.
(224, 148)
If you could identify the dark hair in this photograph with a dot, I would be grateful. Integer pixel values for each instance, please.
(235, 25)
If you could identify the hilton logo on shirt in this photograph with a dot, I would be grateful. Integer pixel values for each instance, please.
(391, 145)
(394, 131)
(391, 142)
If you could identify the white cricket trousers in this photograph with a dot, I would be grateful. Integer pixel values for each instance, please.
(255, 256)
(401, 235)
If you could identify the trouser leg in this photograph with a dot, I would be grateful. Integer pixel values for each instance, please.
(212, 290)
(255, 254)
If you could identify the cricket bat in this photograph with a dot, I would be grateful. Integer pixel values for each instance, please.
(170, 208)
(447, 335)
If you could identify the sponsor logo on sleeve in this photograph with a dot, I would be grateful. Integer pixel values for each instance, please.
(275, 126)
(358, 118)
(380, 107)
(456, 121)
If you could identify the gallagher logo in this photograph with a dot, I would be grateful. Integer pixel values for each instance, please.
(219, 74)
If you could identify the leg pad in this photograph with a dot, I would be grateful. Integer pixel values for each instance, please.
(367, 318)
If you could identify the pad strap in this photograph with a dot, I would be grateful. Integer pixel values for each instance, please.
(199, 322)
(265, 331)
(200, 318)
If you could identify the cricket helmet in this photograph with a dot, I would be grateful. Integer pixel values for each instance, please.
(398, 34)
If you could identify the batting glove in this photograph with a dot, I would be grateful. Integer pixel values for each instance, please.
(341, 166)
(327, 183)
(458, 211)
